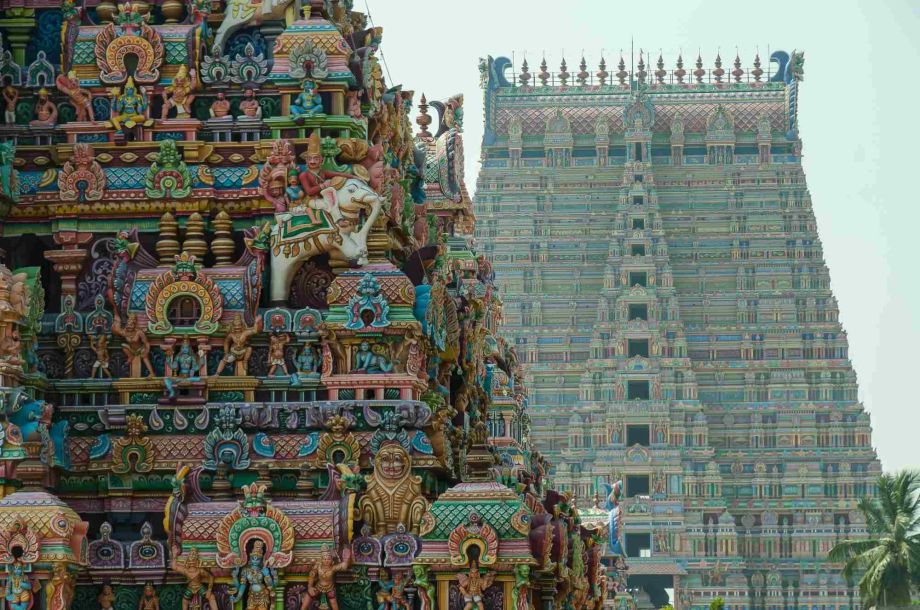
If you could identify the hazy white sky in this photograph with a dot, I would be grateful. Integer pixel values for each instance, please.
(858, 120)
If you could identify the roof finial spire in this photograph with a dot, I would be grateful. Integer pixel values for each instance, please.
(423, 119)
(583, 74)
(524, 78)
(737, 73)
(660, 73)
(602, 73)
(680, 73)
(544, 74)
(622, 73)
(757, 72)
(718, 72)
(563, 73)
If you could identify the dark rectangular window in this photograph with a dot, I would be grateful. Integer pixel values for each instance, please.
(637, 199)
(638, 545)
(638, 311)
(637, 249)
(638, 150)
(638, 434)
(638, 278)
(638, 347)
(637, 485)
(637, 390)
(638, 177)
(638, 223)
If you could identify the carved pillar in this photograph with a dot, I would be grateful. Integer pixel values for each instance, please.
(68, 261)
(17, 29)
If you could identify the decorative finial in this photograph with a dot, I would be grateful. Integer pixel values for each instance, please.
(680, 73)
(524, 78)
(423, 119)
(583, 74)
(660, 73)
(699, 73)
(718, 72)
(544, 74)
(622, 73)
(737, 73)
(563, 73)
(602, 73)
(757, 72)
(641, 73)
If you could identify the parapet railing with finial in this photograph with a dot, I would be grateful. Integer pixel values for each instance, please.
(685, 74)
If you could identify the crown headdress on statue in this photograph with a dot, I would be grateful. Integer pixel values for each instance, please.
(185, 264)
(258, 549)
(314, 144)
(254, 501)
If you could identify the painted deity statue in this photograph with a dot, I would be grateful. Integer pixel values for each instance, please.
(254, 581)
(17, 590)
(100, 347)
(134, 343)
(179, 94)
(308, 102)
(236, 344)
(46, 112)
(195, 590)
(81, 99)
(220, 107)
(10, 97)
(321, 580)
(106, 598)
(276, 345)
(314, 178)
(249, 106)
(150, 600)
(185, 364)
(60, 588)
(129, 107)
(473, 586)
(391, 594)
(306, 361)
(372, 361)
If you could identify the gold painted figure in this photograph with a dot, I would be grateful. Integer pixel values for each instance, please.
(195, 589)
(321, 581)
(236, 348)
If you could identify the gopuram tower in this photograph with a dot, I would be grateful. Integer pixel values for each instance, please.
(665, 289)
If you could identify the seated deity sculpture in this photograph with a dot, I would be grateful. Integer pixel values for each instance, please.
(46, 112)
(372, 361)
(308, 102)
(186, 365)
(129, 107)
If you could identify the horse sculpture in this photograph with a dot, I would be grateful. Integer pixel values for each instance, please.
(303, 233)
(242, 13)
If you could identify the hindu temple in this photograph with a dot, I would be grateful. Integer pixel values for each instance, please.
(665, 290)
(250, 357)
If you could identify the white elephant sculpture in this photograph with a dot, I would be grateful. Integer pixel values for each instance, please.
(242, 13)
(337, 232)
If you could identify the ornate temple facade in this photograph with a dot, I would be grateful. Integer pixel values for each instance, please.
(665, 289)
(249, 358)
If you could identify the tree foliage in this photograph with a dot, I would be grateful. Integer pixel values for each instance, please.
(888, 561)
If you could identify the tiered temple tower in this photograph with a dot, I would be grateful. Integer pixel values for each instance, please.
(664, 286)
(249, 357)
